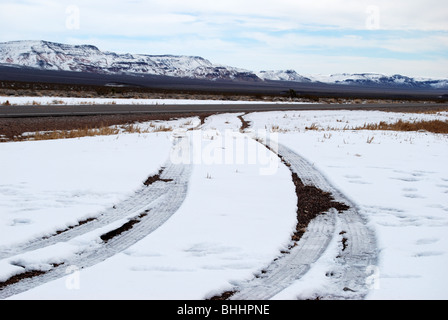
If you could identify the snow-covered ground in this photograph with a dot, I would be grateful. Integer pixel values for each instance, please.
(240, 207)
(399, 181)
(88, 101)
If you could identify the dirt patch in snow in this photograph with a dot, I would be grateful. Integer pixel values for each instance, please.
(20, 277)
(311, 202)
(80, 223)
(156, 177)
(244, 124)
(25, 275)
(125, 227)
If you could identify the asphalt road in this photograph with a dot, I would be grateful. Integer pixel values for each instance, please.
(86, 110)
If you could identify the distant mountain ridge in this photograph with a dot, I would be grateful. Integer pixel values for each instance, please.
(357, 79)
(381, 80)
(87, 58)
(47, 55)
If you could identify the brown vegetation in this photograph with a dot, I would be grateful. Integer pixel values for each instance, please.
(434, 126)
(70, 134)
(38, 128)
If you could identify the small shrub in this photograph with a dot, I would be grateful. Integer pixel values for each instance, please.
(162, 128)
(313, 126)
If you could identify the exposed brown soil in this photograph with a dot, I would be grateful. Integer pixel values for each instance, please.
(125, 227)
(244, 124)
(155, 178)
(20, 277)
(311, 202)
(203, 117)
(223, 296)
(344, 240)
(80, 223)
(25, 275)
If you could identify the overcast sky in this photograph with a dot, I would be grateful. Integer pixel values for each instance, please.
(408, 37)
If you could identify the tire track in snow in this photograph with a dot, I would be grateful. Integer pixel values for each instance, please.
(140, 201)
(153, 205)
(357, 253)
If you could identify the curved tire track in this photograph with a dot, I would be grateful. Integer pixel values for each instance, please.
(139, 202)
(159, 201)
(356, 254)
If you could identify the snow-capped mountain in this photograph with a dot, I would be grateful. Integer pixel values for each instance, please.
(87, 58)
(380, 80)
(359, 79)
(282, 75)
(47, 55)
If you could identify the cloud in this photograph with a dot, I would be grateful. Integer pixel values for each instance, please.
(153, 17)
(253, 34)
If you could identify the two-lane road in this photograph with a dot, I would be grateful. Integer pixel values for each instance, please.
(17, 111)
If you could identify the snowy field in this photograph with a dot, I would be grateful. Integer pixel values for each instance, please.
(135, 101)
(239, 211)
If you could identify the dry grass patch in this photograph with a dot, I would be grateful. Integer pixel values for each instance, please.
(314, 126)
(85, 132)
(160, 128)
(434, 126)
(76, 133)
(91, 132)
(132, 128)
(432, 110)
